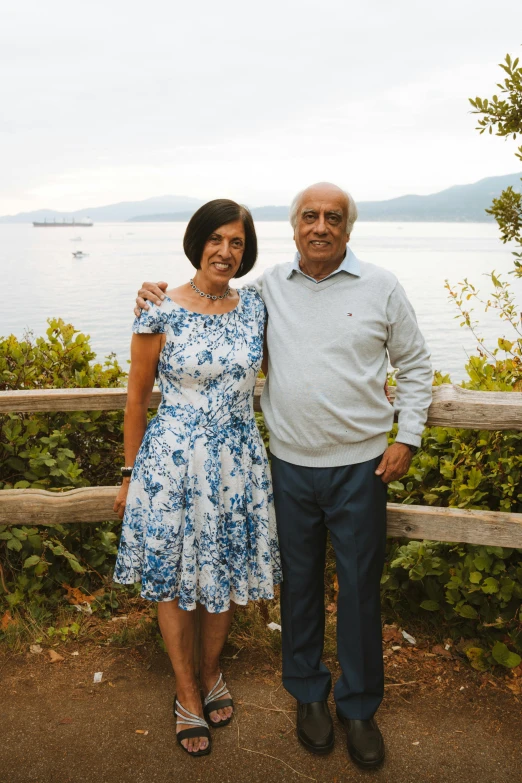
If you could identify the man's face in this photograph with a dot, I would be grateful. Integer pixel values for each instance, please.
(320, 231)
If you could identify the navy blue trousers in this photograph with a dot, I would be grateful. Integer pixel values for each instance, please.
(350, 503)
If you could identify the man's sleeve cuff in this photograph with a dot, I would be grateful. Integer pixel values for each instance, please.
(410, 438)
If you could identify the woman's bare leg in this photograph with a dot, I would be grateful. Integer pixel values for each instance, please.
(214, 632)
(177, 629)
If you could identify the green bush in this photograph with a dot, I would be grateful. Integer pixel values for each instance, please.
(56, 451)
(473, 590)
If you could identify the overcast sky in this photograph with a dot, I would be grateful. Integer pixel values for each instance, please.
(111, 101)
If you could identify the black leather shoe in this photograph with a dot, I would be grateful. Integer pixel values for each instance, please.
(365, 742)
(315, 727)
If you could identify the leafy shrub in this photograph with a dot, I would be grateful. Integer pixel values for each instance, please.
(476, 590)
(56, 451)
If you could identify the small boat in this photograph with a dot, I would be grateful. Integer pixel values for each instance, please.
(80, 254)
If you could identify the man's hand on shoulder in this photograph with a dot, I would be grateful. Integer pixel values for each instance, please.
(154, 292)
(394, 463)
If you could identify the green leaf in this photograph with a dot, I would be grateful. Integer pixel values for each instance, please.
(482, 563)
(474, 478)
(477, 658)
(396, 486)
(17, 533)
(31, 561)
(431, 606)
(490, 585)
(475, 577)
(505, 345)
(503, 655)
(466, 610)
(76, 566)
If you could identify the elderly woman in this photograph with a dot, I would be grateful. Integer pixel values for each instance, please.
(196, 498)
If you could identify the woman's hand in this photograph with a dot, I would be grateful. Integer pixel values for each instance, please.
(121, 499)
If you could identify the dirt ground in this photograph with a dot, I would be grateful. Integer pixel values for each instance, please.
(441, 721)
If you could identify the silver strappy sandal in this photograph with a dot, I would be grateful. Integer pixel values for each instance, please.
(200, 728)
(214, 701)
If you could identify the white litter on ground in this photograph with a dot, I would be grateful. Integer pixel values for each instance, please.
(409, 638)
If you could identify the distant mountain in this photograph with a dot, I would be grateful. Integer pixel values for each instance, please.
(112, 213)
(164, 217)
(460, 203)
(258, 213)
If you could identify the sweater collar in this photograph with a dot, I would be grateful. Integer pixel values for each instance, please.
(349, 264)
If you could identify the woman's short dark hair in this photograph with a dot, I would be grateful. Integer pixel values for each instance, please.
(211, 216)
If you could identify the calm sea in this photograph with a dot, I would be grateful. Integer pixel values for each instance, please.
(42, 279)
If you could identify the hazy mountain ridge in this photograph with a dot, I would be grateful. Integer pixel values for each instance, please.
(459, 203)
(258, 213)
(120, 212)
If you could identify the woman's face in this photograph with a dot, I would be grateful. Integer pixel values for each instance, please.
(223, 252)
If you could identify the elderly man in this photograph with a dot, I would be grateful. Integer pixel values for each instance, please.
(334, 321)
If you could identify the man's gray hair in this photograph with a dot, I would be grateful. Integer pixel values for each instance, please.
(352, 209)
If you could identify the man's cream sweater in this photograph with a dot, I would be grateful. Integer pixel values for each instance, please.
(329, 343)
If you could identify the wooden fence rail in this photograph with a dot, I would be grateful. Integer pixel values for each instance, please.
(94, 504)
(452, 407)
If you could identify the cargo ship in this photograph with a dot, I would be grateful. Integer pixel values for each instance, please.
(81, 223)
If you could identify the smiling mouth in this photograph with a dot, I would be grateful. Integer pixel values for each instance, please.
(222, 267)
(318, 243)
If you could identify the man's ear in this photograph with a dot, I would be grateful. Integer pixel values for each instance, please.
(347, 238)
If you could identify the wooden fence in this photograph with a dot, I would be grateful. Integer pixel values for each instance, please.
(452, 406)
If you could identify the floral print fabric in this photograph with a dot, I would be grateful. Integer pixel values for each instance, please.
(199, 523)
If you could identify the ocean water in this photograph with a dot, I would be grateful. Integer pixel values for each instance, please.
(42, 279)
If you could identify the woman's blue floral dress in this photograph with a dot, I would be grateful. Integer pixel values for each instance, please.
(199, 523)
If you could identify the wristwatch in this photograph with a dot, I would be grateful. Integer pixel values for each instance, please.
(413, 449)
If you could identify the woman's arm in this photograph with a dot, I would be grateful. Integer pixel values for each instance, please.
(145, 351)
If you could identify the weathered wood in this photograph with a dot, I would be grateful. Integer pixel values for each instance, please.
(452, 406)
(490, 528)
(40, 507)
(94, 504)
(48, 400)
